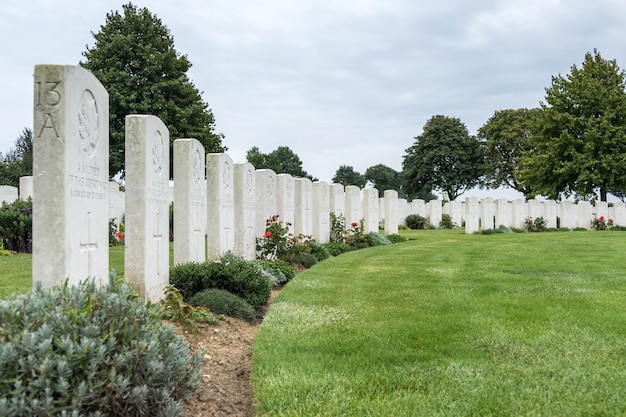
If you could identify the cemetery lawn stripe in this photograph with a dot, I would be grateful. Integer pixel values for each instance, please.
(451, 324)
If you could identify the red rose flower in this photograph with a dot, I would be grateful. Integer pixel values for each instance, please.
(601, 218)
(354, 224)
(267, 234)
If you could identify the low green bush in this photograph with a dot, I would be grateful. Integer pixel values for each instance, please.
(307, 260)
(235, 275)
(396, 238)
(446, 222)
(336, 248)
(224, 302)
(319, 251)
(415, 221)
(91, 351)
(376, 239)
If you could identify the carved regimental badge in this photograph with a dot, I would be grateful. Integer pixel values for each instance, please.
(88, 123)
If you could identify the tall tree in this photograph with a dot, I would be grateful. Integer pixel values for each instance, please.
(134, 58)
(346, 175)
(282, 160)
(580, 147)
(444, 157)
(506, 136)
(18, 161)
(384, 178)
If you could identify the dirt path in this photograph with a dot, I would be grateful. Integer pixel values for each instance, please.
(225, 388)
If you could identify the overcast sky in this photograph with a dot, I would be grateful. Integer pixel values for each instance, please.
(340, 82)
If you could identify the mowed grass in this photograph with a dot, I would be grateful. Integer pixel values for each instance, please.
(16, 271)
(450, 324)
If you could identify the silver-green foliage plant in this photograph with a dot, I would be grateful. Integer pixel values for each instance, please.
(91, 351)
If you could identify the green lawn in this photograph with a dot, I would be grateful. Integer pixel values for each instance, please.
(16, 275)
(450, 324)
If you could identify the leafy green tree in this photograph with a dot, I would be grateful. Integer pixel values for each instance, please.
(581, 142)
(134, 58)
(506, 136)
(18, 161)
(282, 160)
(346, 175)
(444, 157)
(384, 178)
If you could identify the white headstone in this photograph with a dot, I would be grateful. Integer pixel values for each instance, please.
(113, 196)
(8, 194)
(265, 197)
(487, 213)
(286, 200)
(303, 221)
(190, 201)
(147, 249)
(585, 214)
(435, 212)
(568, 214)
(353, 205)
(321, 211)
(419, 207)
(391, 212)
(370, 209)
(26, 187)
(337, 199)
(403, 211)
(535, 209)
(220, 205)
(472, 215)
(520, 212)
(503, 213)
(70, 176)
(550, 213)
(601, 209)
(456, 212)
(245, 211)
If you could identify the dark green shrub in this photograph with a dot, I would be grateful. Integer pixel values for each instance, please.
(235, 275)
(446, 222)
(336, 248)
(16, 226)
(223, 302)
(376, 239)
(91, 351)
(188, 278)
(396, 238)
(580, 229)
(536, 225)
(415, 221)
(307, 260)
(618, 228)
(319, 251)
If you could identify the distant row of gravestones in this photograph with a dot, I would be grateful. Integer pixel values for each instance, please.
(219, 206)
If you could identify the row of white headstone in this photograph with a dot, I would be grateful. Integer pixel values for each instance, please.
(219, 206)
